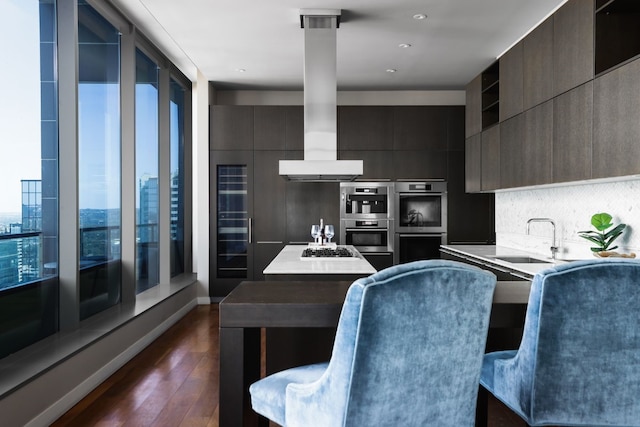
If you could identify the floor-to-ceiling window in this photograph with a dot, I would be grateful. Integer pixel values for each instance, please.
(177, 114)
(99, 161)
(42, 127)
(147, 196)
(28, 172)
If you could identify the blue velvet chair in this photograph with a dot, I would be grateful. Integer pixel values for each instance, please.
(407, 352)
(579, 359)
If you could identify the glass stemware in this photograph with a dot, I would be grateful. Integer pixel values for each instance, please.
(329, 232)
(315, 232)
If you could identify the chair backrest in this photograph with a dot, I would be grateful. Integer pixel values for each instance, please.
(410, 343)
(580, 350)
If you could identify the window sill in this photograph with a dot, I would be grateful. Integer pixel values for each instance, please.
(29, 363)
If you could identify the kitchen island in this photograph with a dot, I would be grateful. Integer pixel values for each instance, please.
(290, 265)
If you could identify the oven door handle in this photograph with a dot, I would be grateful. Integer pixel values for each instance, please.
(420, 235)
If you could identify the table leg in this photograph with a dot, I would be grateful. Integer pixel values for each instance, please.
(239, 367)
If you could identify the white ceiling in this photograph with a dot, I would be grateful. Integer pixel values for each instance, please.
(457, 41)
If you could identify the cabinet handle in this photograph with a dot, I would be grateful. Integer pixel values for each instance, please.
(273, 242)
(250, 231)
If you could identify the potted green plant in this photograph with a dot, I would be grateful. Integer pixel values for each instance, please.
(602, 238)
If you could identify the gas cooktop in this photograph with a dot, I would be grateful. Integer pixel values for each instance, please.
(327, 253)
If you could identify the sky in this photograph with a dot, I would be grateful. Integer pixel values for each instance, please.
(20, 97)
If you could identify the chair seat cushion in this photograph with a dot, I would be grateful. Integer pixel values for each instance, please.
(268, 395)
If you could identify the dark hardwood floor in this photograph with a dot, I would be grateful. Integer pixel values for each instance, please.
(174, 383)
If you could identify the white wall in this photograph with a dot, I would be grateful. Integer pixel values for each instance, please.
(571, 207)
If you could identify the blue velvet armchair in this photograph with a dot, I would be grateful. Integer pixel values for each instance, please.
(408, 352)
(579, 359)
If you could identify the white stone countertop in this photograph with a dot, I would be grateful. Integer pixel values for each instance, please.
(289, 261)
(492, 253)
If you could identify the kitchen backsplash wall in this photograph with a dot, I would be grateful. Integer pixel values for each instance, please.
(571, 208)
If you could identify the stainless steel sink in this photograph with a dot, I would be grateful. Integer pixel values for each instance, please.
(522, 260)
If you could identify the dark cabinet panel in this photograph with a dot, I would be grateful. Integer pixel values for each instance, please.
(307, 202)
(537, 146)
(511, 158)
(572, 45)
(616, 128)
(419, 164)
(231, 127)
(572, 134)
(269, 129)
(538, 65)
(365, 128)
(491, 159)
(378, 165)
(294, 127)
(470, 217)
(473, 112)
(269, 197)
(420, 128)
(455, 127)
(511, 82)
(473, 164)
(264, 253)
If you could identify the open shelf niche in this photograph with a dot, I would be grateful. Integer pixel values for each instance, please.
(617, 33)
(490, 95)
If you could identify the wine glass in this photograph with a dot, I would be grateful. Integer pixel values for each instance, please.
(329, 232)
(315, 232)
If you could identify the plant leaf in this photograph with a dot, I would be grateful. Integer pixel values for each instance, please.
(601, 221)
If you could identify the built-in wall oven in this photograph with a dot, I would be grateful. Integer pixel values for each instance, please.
(366, 220)
(420, 220)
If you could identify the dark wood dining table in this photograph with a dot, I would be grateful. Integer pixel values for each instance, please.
(253, 305)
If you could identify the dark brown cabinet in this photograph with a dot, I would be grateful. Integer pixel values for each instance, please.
(473, 112)
(572, 45)
(616, 127)
(537, 145)
(420, 128)
(231, 127)
(419, 164)
(538, 65)
(491, 159)
(377, 164)
(365, 128)
(511, 82)
(572, 134)
(511, 152)
(473, 164)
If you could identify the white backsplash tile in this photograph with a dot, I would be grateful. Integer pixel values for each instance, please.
(571, 208)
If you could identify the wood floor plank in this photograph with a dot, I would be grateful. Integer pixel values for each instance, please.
(174, 382)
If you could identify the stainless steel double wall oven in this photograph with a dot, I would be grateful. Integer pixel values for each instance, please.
(366, 220)
(394, 222)
(420, 220)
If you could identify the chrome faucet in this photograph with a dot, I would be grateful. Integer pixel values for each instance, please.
(554, 248)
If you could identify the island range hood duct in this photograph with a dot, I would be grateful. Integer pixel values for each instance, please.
(320, 162)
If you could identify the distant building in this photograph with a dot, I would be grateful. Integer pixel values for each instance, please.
(148, 213)
(31, 205)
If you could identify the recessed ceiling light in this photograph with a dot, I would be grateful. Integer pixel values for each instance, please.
(419, 16)
(240, 70)
(391, 70)
(404, 45)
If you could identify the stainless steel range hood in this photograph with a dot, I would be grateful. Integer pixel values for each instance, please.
(320, 162)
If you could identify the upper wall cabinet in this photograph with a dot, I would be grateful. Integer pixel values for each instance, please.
(537, 144)
(572, 134)
(538, 65)
(473, 164)
(572, 45)
(278, 128)
(617, 33)
(511, 152)
(365, 128)
(420, 128)
(231, 127)
(616, 128)
(473, 111)
(490, 160)
(511, 82)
